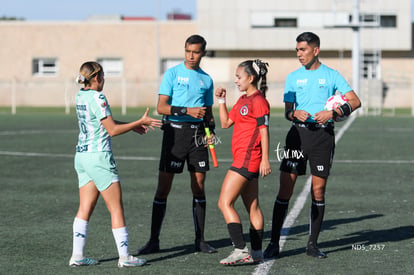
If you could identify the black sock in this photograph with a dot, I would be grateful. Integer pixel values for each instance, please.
(256, 237)
(199, 217)
(317, 212)
(158, 212)
(279, 213)
(236, 235)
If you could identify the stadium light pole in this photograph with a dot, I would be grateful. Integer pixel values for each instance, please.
(356, 49)
(158, 57)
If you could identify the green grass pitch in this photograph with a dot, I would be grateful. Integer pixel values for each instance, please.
(368, 226)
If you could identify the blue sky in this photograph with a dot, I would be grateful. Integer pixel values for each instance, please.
(81, 9)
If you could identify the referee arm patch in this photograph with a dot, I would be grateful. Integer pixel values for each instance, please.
(264, 120)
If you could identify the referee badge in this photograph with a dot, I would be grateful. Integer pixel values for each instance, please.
(244, 110)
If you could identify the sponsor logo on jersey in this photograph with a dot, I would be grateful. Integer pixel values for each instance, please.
(183, 81)
(244, 110)
(81, 107)
(301, 82)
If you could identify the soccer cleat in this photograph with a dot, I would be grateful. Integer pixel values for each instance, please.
(131, 261)
(313, 251)
(82, 262)
(238, 256)
(272, 251)
(202, 246)
(149, 247)
(257, 256)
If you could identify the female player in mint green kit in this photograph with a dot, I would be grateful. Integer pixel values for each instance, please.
(96, 167)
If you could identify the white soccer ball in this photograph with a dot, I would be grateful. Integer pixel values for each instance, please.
(333, 102)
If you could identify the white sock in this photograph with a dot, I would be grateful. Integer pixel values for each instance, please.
(80, 234)
(121, 240)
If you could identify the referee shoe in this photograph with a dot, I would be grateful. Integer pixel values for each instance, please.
(271, 251)
(202, 246)
(149, 247)
(313, 251)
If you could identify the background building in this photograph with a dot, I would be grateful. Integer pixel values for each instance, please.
(41, 59)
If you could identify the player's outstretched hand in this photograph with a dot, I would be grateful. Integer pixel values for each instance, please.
(149, 121)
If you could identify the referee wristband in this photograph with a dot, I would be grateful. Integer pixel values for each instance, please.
(178, 111)
(346, 109)
(334, 114)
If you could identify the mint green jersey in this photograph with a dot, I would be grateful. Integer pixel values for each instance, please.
(91, 107)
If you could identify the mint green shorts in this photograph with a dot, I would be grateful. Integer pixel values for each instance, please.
(99, 167)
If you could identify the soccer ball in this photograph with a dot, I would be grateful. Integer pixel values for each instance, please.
(333, 102)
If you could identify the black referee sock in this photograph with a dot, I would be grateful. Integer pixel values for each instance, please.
(256, 237)
(236, 235)
(317, 212)
(199, 217)
(279, 213)
(159, 207)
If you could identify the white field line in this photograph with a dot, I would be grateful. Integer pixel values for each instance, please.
(264, 268)
(137, 158)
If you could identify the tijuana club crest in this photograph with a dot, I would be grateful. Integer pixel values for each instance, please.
(244, 110)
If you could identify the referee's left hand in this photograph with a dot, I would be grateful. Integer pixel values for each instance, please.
(323, 117)
(196, 112)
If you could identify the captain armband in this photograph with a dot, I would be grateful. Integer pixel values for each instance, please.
(345, 109)
(264, 120)
(178, 111)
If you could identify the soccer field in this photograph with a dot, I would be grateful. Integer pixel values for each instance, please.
(368, 226)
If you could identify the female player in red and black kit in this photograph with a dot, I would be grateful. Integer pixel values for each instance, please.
(250, 148)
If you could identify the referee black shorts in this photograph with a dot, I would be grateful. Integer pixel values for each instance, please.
(309, 141)
(183, 142)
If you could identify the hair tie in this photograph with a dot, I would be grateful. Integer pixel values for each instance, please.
(256, 67)
(80, 79)
(260, 67)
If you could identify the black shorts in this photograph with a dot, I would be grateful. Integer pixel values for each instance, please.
(309, 141)
(183, 142)
(245, 172)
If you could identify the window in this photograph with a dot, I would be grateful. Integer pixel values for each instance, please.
(371, 65)
(286, 23)
(45, 67)
(384, 21)
(168, 63)
(388, 21)
(112, 66)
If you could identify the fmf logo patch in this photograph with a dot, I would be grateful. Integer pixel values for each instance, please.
(244, 110)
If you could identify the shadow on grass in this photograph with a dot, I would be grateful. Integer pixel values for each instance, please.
(361, 237)
(366, 237)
